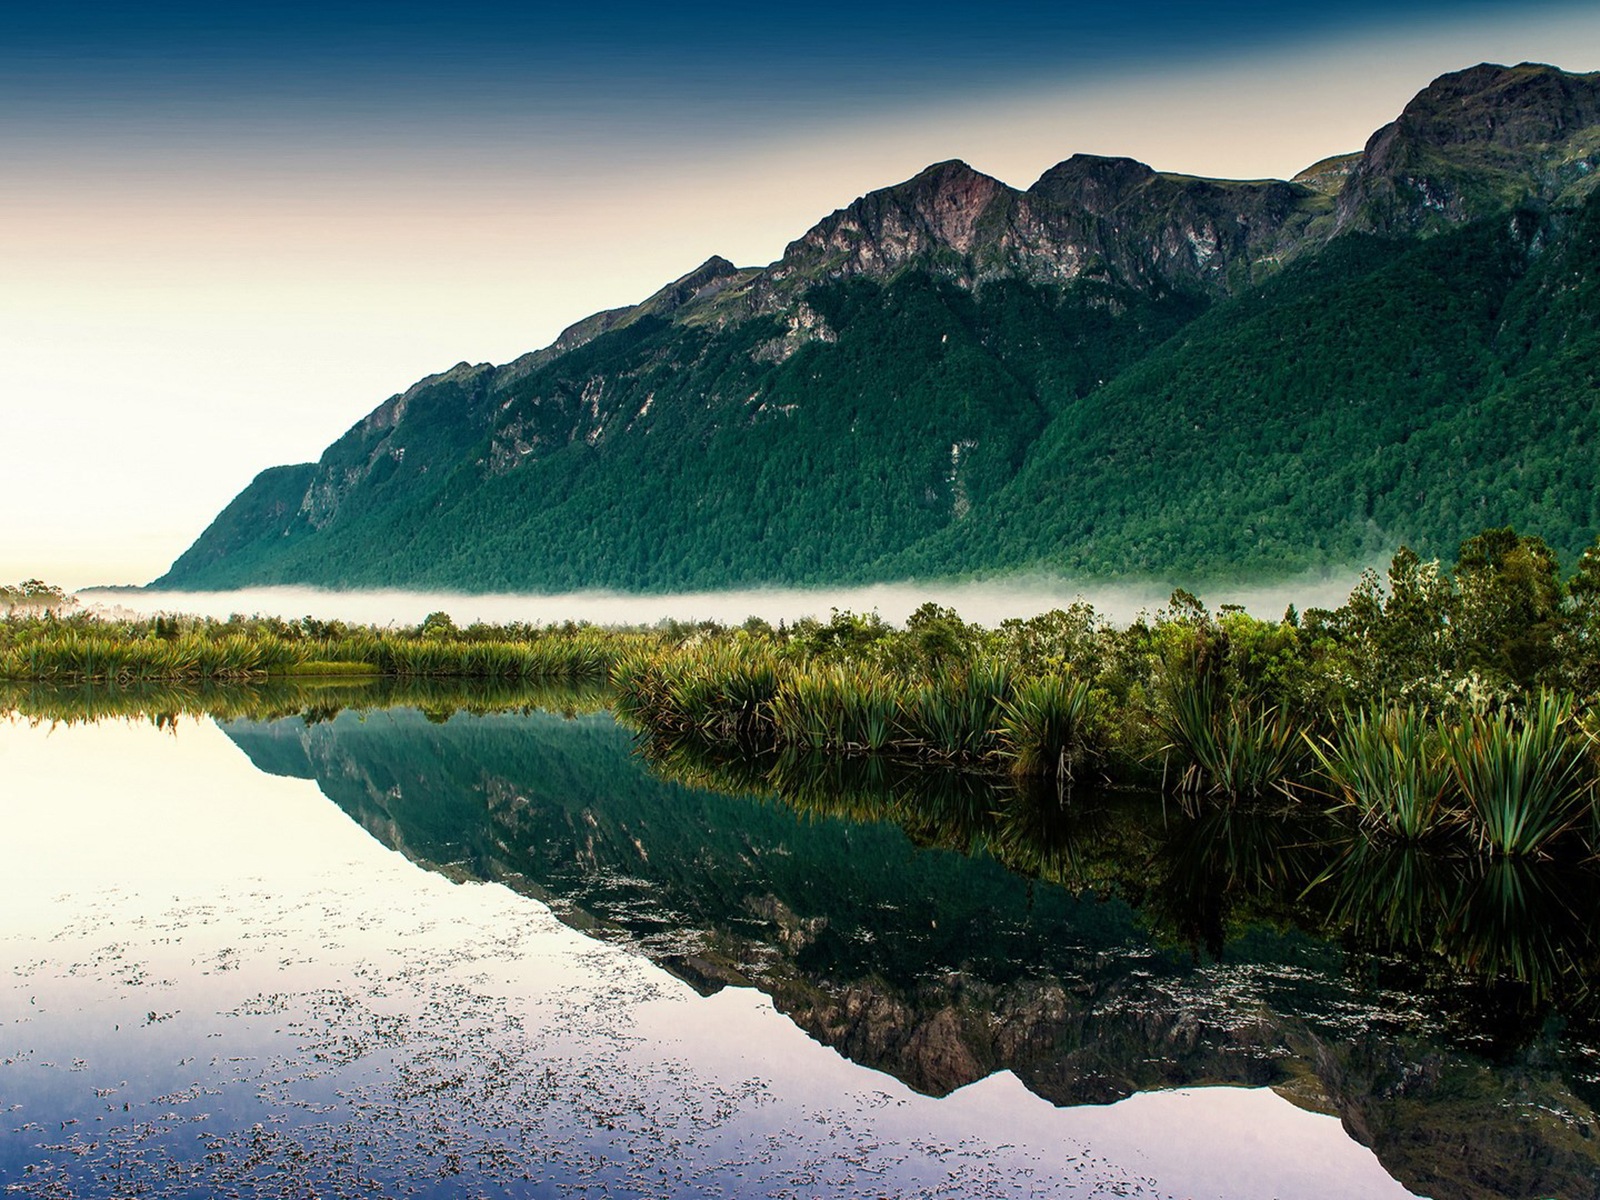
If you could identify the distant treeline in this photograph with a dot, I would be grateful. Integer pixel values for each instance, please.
(1437, 703)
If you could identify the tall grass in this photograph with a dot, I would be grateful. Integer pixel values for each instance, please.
(1044, 726)
(548, 656)
(957, 713)
(751, 697)
(74, 654)
(1226, 748)
(63, 652)
(1525, 777)
(722, 692)
(844, 708)
(1392, 768)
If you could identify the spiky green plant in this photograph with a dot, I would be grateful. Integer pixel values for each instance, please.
(1391, 767)
(1230, 749)
(843, 707)
(717, 692)
(1524, 776)
(71, 654)
(1044, 725)
(957, 713)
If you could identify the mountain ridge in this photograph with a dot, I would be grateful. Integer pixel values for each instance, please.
(890, 382)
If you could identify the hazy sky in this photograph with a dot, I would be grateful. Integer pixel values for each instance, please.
(228, 231)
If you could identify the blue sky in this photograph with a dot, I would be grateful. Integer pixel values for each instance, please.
(628, 64)
(387, 31)
(230, 230)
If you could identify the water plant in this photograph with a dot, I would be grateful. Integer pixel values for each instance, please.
(1524, 775)
(1229, 748)
(957, 713)
(72, 653)
(1044, 726)
(1390, 766)
(843, 707)
(720, 691)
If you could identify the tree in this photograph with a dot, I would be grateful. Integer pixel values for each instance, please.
(34, 596)
(1508, 607)
(438, 625)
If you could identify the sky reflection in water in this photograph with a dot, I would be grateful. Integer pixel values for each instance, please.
(211, 980)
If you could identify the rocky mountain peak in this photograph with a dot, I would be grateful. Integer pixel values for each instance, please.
(699, 284)
(942, 207)
(702, 283)
(1092, 183)
(1507, 107)
(944, 186)
(1328, 175)
(1475, 142)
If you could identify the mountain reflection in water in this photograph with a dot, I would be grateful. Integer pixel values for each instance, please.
(941, 926)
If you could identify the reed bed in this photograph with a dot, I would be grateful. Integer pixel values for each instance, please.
(91, 652)
(844, 708)
(757, 700)
(957, 714)
(721, 692)
(1515, 780)
(1227, 748)
(543, 657)
(1045, 727)
(77, 655)
(1223, 709)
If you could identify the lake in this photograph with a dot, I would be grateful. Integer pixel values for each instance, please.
(387, 941)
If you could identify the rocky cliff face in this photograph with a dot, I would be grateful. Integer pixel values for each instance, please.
(1176, 231)
(1474, 143)
(1470, 144)
(1109, 220)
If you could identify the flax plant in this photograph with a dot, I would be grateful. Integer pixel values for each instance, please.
(1044, 726)
(1525, 777)
(957, 714)
(844, 707)
(1392, 768)
(1231, 749)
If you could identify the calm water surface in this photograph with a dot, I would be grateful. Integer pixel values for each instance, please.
(379, 950)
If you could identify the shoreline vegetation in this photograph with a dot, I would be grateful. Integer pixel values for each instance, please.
(1449, 707)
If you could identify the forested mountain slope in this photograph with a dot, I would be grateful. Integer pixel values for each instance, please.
(1374, 395)
(1113, 372)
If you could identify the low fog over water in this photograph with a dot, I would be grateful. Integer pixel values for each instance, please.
(987, 602)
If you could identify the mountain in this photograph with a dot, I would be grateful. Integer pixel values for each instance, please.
(1113, 372)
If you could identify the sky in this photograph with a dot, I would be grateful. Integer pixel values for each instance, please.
(227, 232)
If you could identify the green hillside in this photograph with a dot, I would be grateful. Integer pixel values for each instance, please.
(1382, 393)
(1115, 372)
(809, 469)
